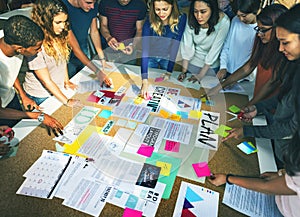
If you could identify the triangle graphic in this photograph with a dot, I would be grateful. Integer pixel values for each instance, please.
(186, 106)
(187, 204)
(191, 196)
(187, 213)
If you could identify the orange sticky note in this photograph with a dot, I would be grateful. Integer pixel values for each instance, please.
(175, 117)
(164, 113)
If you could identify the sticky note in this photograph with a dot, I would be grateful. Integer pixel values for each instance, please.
(184, 115)
(131, 124)
(159, 79)
(175, 117)
(172, 146)
(234, 109)
(247, 147)
(121, 123)
(121, 46)
(201, 169)
(164, 113)
(138, 100)
(105, 114)
(165, 168)
(132, 213)
(59, 148)
(210, 103)
(221, 131)
(195, 114)
(145, 150)
(203, 99)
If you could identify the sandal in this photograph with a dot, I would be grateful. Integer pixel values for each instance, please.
(182, 76)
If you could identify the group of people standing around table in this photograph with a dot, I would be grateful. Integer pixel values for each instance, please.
(55, 41)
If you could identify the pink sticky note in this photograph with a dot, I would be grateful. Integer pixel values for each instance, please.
(172, 146)
(201, 169)
(159, 79)
(93, 98)
(145, 150)
(132, 213)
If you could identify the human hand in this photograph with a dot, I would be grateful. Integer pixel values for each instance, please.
(69, 84)
(144, 89)
(182, 76)
(236, 133)
(195, 78)
(104, 79)
(7, 131)
(221, 74)
(269, 175)
(73, 103)
(128, 49)
(52, 125)
(217, 179)
(4, 148)
(213, 91)
(249, 112)
(29, 104)
(113, 43)
(105, 64)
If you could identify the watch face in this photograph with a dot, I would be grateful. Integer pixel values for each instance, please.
(41, 117)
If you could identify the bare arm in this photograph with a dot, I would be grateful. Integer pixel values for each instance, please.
(276, 186)
(269, 87)
(96, 38)
(28, 103)
(111, 41)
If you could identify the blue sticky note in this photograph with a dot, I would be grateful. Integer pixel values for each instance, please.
(184, 115)
(192, 196)
(119, 194)
(105, 114)
(210, 103)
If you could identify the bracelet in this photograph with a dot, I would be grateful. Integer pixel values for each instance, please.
(103, 58)
(227, 177)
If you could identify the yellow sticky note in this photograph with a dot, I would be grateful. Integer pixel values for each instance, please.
(165, 168)
(175, 117)
(138, 100)
(203, 99)
(164, 113)
(121, 46)
(195, 114)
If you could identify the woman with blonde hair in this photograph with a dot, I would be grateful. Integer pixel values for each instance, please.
(162, 33)
(49, 73)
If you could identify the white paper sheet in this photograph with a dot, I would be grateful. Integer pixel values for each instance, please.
(265, 154)
(206, 138)
(77, 124)
(43, 176)
(174, 131)
(131, 112)
(249, 202)
(89, 196)
(196, 200)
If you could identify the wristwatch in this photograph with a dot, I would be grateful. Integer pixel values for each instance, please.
(41, 117)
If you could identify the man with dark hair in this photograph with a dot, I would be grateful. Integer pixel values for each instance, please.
(21, 37)
(121, 24)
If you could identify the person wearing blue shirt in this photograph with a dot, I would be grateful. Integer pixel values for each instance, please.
(161, 36)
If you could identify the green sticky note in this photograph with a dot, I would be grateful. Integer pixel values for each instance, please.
(221, 131)
(234, 109)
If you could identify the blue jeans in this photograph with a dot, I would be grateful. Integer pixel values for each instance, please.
(38, 100)
(196, 69)
(158, 63)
